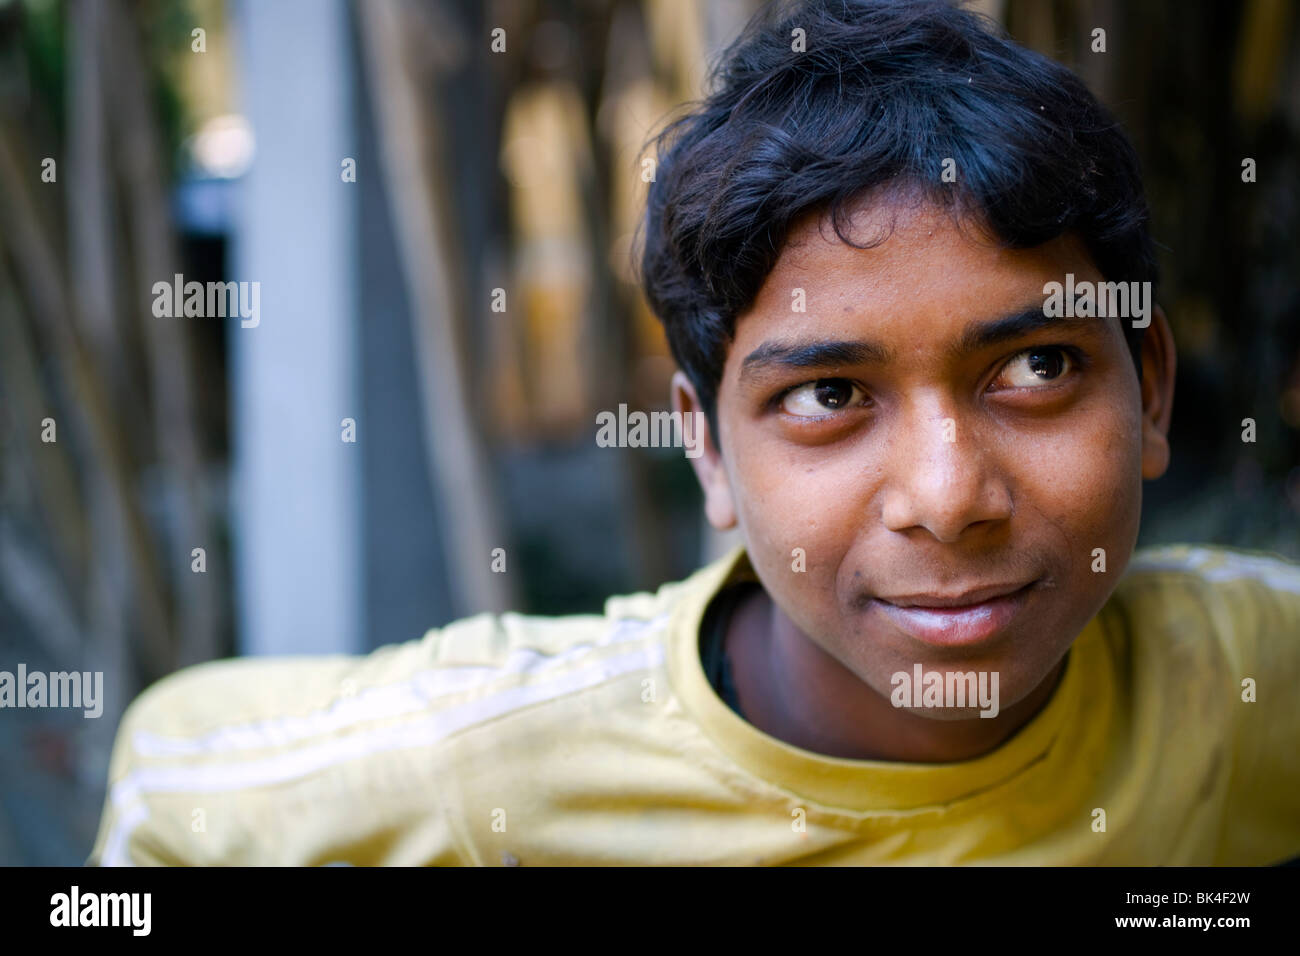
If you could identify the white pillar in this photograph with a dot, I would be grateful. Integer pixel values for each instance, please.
(296, 497)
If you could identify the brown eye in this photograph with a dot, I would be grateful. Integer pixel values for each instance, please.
(1033, 367)
(822, 397)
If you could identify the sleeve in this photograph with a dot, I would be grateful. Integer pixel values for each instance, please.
(280, 761)
(133, 829)
(1262, 616)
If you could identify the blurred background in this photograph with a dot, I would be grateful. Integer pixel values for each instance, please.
(437, 200)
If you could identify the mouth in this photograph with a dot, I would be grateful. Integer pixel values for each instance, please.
(959, 620)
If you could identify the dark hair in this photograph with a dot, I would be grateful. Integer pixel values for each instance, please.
(883, 94)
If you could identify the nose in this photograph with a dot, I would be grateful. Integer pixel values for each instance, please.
(941, 477)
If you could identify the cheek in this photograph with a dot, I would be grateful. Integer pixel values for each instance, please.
(1087, 483)
(783, 503)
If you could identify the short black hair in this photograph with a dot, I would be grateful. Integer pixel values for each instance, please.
(884, 93)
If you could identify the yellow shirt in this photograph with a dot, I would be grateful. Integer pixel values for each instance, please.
(597, 739)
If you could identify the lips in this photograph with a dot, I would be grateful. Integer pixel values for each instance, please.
(955, 620)
(967, 598)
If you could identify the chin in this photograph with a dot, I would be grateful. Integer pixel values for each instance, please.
(947, 714)
(997, 685)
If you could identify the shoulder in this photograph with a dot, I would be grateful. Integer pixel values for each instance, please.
(271, 701)
(1249, 600)
(265, 740)
(1214, 659)
(1218, 564)
(1222, 624)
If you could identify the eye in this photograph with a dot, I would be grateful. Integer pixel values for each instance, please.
(1037, 366)
(822, 397)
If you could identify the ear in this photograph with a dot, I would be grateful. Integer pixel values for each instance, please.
(719, 507)
(1158, 367)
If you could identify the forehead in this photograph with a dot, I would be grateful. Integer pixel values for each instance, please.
(926, 274)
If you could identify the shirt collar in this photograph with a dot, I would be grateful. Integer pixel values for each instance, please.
(858, 785)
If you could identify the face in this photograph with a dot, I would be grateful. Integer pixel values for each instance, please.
(923, 469)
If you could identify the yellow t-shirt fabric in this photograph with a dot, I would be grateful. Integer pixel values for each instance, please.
(1173, 738)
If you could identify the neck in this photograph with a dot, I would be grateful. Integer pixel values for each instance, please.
(793, 690)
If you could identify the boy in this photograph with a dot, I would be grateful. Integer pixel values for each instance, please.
(870, 257)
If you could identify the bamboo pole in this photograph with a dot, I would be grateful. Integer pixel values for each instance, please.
(41, 278)
(412, 155)
(167, 346)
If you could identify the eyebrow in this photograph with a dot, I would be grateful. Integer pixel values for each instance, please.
(985, 335)
(820, 354)
(831, 353)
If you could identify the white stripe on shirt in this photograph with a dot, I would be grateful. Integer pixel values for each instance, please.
(1224, 566)
(126, 795)
(406, 697)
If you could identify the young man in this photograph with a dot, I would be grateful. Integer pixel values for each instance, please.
(869, 254)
